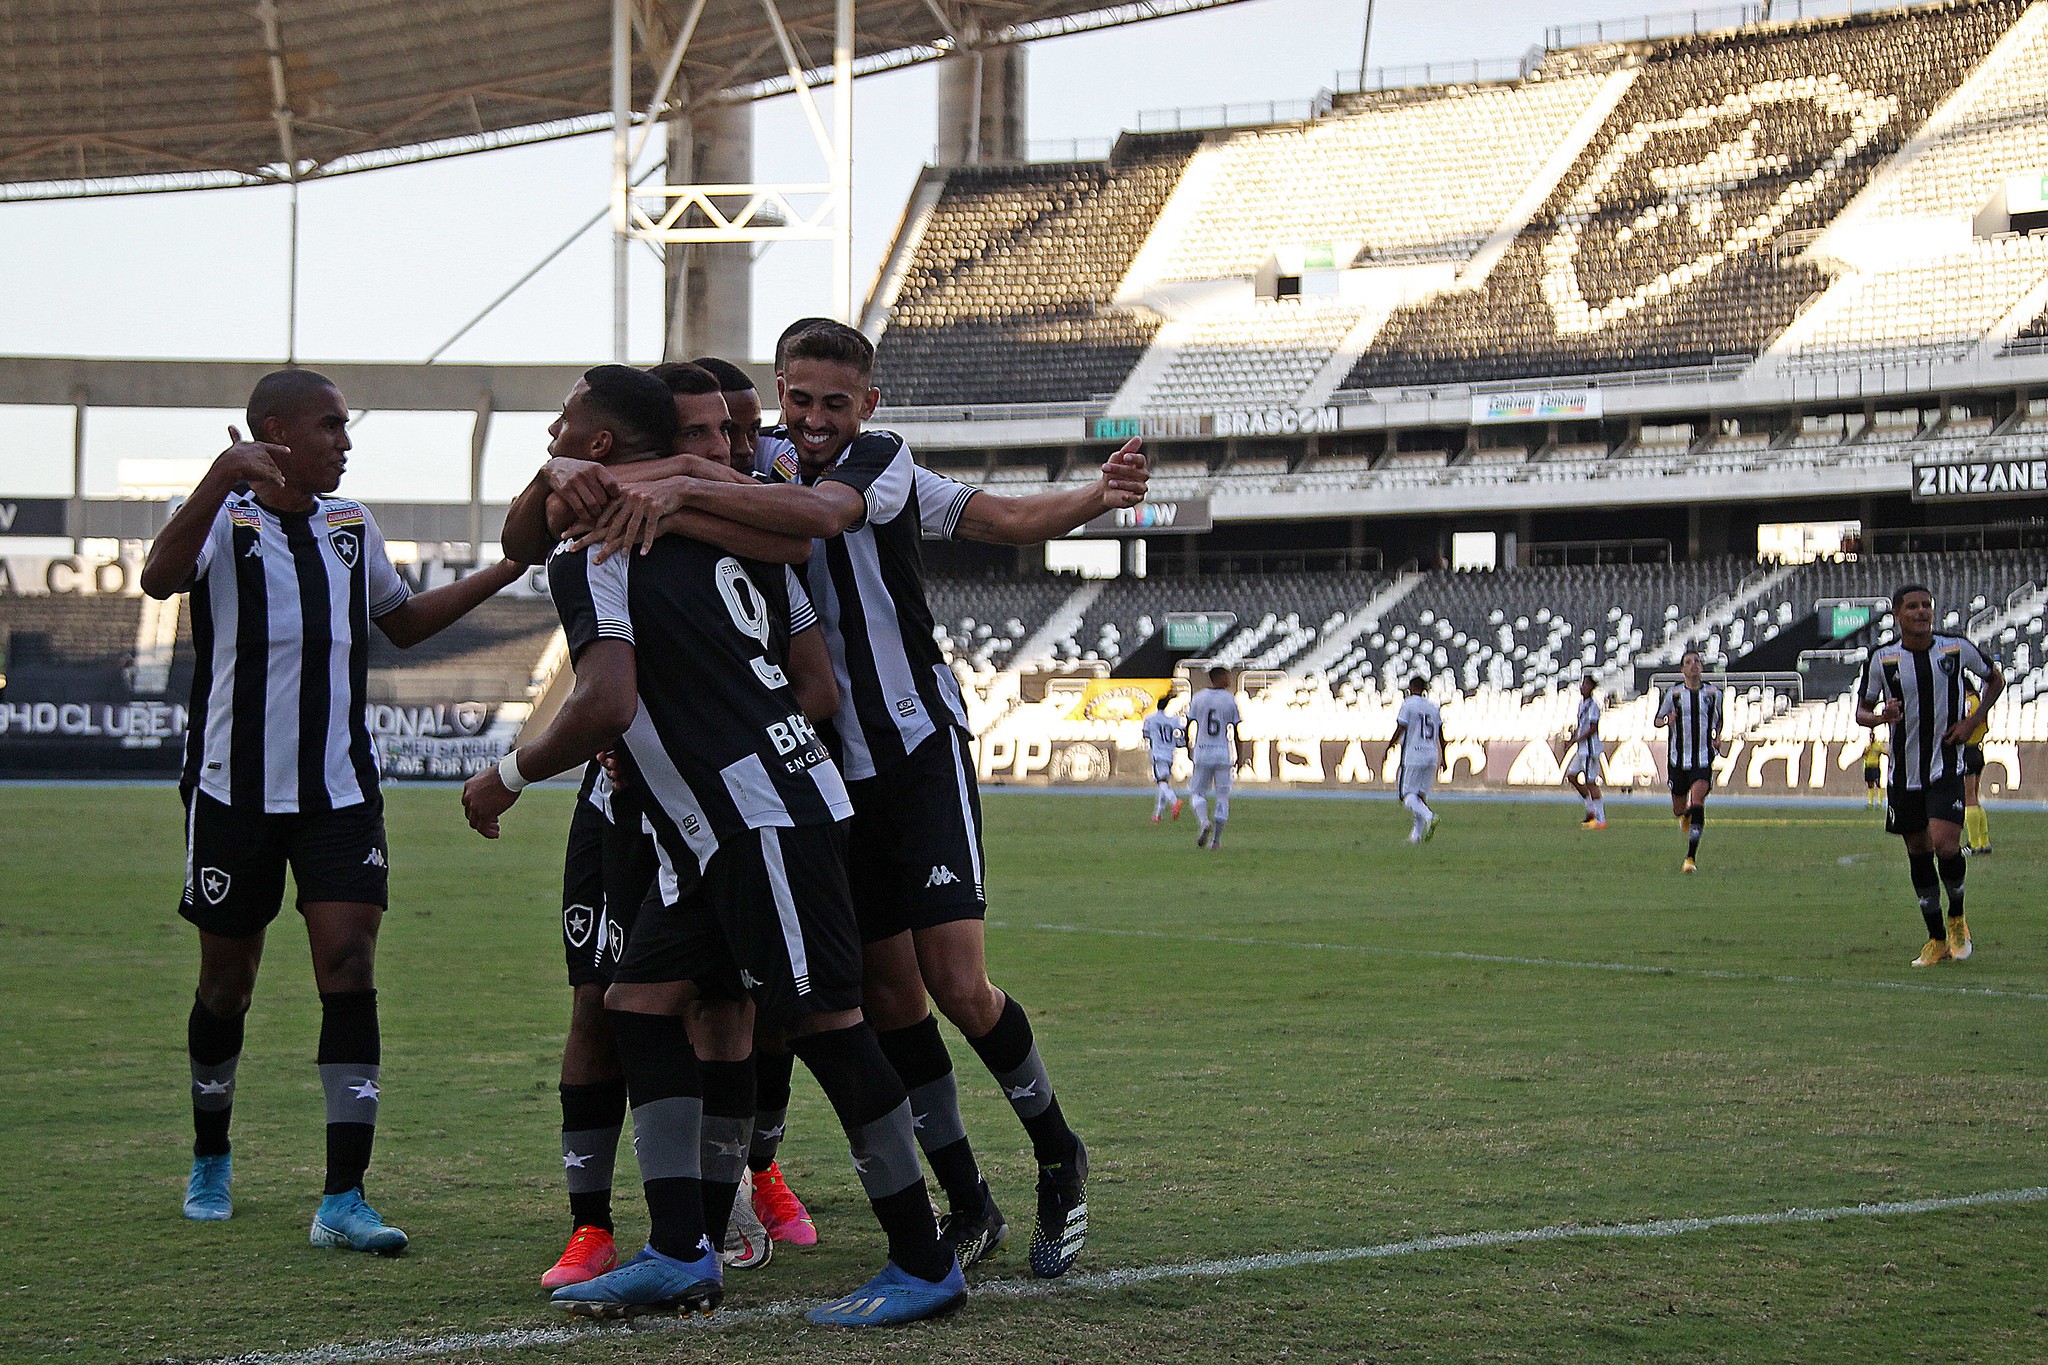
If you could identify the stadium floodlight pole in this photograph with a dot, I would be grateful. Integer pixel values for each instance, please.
(1365, 48)
(622, 119)
(842, 164)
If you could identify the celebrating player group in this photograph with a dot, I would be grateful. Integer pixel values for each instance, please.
(775, 853)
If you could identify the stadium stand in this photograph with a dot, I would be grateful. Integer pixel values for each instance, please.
(1656, 249)
(1279, 616)
(1007, 298)
(489, 655)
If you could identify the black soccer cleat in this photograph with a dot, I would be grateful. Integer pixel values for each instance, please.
(974, 1237)
(1062, 1215)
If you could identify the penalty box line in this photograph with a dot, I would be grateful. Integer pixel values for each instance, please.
(1225, 1268)
(1451, 955)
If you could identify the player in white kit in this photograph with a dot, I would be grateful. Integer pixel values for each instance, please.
(1419, 730)
(1215, 748)
(1582, 769)
(1164, 736)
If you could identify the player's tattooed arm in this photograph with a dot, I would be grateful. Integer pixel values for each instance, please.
(175, 553)
(994, 519)
(600, 707)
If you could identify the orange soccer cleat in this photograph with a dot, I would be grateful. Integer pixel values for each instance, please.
(590, 1253)
(784, 1214)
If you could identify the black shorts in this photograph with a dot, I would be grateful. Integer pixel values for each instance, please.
(1973, 760)
(914, 856)
(1683, 778)
(235, 862)
(1872, 775)
(769, 917)
(1908, 812)
(606, 873)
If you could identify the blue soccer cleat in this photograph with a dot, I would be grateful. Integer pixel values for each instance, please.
(346, 1222)
(206, 1193)
(649, 1283)
(891, 1298)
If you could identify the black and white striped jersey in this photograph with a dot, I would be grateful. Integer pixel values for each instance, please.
(895, 690)
(281, 610)
(1929, 683)
(719, 743)
(1694, 724)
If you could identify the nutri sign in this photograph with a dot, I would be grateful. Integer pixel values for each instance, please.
(1537, 405)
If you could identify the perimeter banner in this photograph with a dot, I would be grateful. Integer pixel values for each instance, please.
(1783, 768)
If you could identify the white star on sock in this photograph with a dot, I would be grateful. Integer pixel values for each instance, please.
(365, 1089)
(1022, 1092)
(214, 1087)
(574, 1161)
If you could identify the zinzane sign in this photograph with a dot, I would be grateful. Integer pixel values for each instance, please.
(1980, 479)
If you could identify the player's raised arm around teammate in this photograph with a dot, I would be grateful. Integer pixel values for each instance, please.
(995, 519)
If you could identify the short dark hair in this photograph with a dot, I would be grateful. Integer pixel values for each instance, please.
(643, 416)
(1218, 673)
(1899, 597)
(832, 342)
(791, 333)
(1163, 701)
(280, 393)
(1689, 654)
(731, 378)
(1418, 684)
(686, 377)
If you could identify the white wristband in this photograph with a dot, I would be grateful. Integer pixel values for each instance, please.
(508, 771)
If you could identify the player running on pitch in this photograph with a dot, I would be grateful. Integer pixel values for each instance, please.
(1915, 684)
(1164, 736)
(1691, 713)
(1582, 769)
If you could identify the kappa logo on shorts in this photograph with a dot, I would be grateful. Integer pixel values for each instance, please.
(375, 858)
(577, 922)
(941, 876)
(748, 981)
(213, 884)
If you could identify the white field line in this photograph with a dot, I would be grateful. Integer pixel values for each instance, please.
(1446, 955)
(564, 1334)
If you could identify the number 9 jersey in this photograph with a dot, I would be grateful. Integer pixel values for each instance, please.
(720, 742)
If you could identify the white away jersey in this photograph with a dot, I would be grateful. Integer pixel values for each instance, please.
(1163, 734)
(1211, 713)
(1421, 743)
(281, 610)
(1588, 724)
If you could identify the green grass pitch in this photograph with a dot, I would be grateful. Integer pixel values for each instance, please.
(1319, 1039)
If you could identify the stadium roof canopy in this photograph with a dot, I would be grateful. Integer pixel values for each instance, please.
(122, 96)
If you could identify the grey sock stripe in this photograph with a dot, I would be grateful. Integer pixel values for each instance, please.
(667, 1138)
(1028, 1088)
(351, 1089)
(588, 1158)
(725, 1147)
(885, 1154)
(769, 1126)
(935, 1113)
(213, 1087)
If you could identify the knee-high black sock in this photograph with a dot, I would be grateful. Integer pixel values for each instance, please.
(592, 1116)
(875, 1112)
(771, 1107)
(214, 1046)
(668, 1120)
(1954, 866)
(1696, 824)
(351, 1077)
(1011, 1056)
(728, 1126)
(1927, 886)
(920, 1057)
